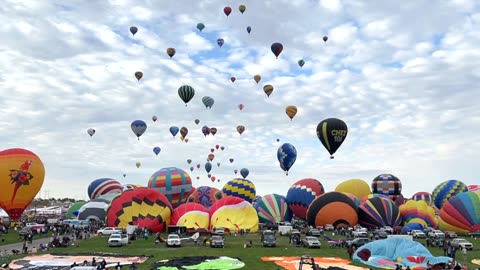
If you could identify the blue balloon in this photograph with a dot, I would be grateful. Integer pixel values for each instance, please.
(139, 127)
(286, 154)
(156, 150)
(174, 130)
(208, 167)
(244, 172)
(249, 29)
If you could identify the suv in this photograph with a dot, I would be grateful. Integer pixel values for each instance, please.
(311, 242)
(314, 232)
(450, 234)
(360, 232)
(219, 231)
(475, 234)
(108, 231)
(461, 243)
(328, 227)
(217, 241)
(387, 229)
(417, 234)
(268, 239)
(117, 240)
(436, 234)
(380, 233)
(357, 242)
(174, 240)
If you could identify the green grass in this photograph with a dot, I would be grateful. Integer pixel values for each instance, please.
(234, 248)
(12, 238)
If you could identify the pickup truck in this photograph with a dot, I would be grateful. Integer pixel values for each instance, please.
(108, 231)
(117, 240)
(360, 233)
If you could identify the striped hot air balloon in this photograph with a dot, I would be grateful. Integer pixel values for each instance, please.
(241, 188)
(186, 93)
(273, 208)
(103, 186)
(174, 183)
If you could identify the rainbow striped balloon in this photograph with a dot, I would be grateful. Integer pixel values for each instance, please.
(273, 208)
(172, 182)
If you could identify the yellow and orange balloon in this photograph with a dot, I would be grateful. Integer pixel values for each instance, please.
(21, 177)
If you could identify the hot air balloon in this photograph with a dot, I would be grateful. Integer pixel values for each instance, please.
(461, 213)
(93, 210)
(173, 182)
(332, 132)
(205, 130)
(208, 167)
(227, 10)
(74, 208)
(235, 171)
(217, 146)
(286, 155)
(191, 169)
(357, 187)
(234, 214)
(133, 30)
(146, 208)
(233, 79)
(240, 129)
(379, 212)
(208, 102)
(301, 194)
(171, 52)
(154, 118)
(276, 48)
(325, 38)
(291, 111)
(213, 130)
(190, 215)
(138, 75)
(301, 62)
(231, 160)
(257, 78)
(205, 196)
(249, 29)
(156, 150)
(211, 157)
(423, 196)
(418, 212)
(129, 186)
(198, 165)
(241, 188)
(241, 106)
(268, 89)
(197, 121)
(273, 208)
(443, 192)
(220, 42)
(242, 8)
(174, 130)
(473, 188)
(22, 174)
(222, 147)
(103, 186)
(184, 132)
(333, 208)
(138, 127)
(91, 131)
(200, 26)
(244, 172)
(186, 93)
(138, 164)
(387, 184)
(189, 161)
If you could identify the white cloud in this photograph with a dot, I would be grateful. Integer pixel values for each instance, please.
(406, 88)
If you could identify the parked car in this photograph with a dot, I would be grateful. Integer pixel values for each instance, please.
(108, 231)
(380, 233)
(362, 232)
(328, 227)
(450, 234)
(387, 229)
(417, 234)
(357, 242)
(314, 232)
(219, 231)
(217, 241)
(311, 242)
(474, 234)
(461, 243)
(117, 240)
(436, 234)
(25, 231)
(173, 240)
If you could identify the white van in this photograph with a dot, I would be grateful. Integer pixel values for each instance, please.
(284, 229)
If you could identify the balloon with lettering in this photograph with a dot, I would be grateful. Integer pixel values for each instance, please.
(21, 178)
(332, 133)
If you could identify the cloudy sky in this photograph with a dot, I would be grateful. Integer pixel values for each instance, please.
(403, 77)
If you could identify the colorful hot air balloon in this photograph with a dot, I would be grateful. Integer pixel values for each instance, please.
(208, 102)
(173, 182)
(200, 26)
(156, 150)
(186, 93)
(146, 208)
(154, 118)
(220, 42)
(205, 130)
(103, 186)
(301, 62)
(461, 213)
(240, 129)
(171, 52)
(133, 30)
(240, 187)
(233, 79)
(138, 127)
(242, 8)
(446, 190)
(244, 172)
(74, 208)
(139, 75)
(234, 214)
(301, 194)
(22, 174)
(387, 184)
(184, 132)
(91, 131)
(93, 210)
(213, 130)
(286, 155)
(333, 208)
(191, 215)
(379, 212)
(174, 130)
(473, 188)
(291, 111)
(277, 49)
(268, 89)
(418, 212)
(423, 196)
(357, 187)
(332, 132)
(227, 10)
(249, 29)
(205, 196)
(273, 208)
(257, 78)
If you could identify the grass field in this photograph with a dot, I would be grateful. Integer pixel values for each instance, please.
(12, 238)
(233, 248)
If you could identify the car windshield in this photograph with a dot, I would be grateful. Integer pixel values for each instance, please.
(115, 236)
(269, 237)
(311, 238)
(173, 236)
(217, 238)
(462, 241)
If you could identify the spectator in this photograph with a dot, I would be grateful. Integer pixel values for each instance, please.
(464, 253)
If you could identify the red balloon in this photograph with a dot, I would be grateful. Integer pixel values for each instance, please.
(227, 10)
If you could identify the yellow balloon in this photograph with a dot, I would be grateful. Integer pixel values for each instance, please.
(357, 187)
(291, 111)
(21, 177)
(138, 164)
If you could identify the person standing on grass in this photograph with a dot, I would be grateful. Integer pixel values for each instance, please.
(464, 253)
(350, 252)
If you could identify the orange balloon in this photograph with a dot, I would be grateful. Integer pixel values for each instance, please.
(21, 176)
(291, 111)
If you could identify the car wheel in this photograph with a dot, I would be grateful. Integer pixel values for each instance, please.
(100, 234)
